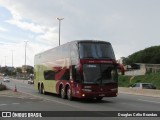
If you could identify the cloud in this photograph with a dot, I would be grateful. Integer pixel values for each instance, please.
(49, 36)
(128, 25)
(18, 53)
(28, 26)
(27, 23)
(3, 29)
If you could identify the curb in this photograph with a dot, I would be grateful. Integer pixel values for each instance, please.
(144, 92)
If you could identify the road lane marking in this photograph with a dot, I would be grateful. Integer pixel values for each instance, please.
(56, 101)
(15, 103)
(28, 102)
(32, 98)
(21, 97)
(149, 101)
(3, 104)
(51, 100)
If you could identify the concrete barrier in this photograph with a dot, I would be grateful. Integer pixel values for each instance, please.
(136, 91)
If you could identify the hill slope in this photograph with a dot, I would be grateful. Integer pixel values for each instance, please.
(149, 55)
(126, 81)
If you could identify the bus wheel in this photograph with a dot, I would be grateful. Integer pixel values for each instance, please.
(99, 98)
(69, 97)
(39, 89)
(42, 90)
(63, 93)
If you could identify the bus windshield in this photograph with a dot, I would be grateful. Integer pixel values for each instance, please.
(96, 51)
(99, 73)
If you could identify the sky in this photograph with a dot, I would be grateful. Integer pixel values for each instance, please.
(129, 25)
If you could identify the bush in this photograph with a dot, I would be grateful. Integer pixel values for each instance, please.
(2, 87)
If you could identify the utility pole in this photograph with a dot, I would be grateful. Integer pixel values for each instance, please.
(5, 60)
(12, 63)
(59, 19)
(25, 58)
(12, 57)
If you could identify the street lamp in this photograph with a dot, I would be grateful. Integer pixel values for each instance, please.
(12, 57)
(12, 63)
(59, 19)
(5, 60)
(25, 57)
(25, 52)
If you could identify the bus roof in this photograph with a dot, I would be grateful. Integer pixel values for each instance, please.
(75, 41)
(78, 41)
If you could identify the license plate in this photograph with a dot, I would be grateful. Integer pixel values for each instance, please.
(101, 94)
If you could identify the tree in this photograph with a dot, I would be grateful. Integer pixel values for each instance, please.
(149, 55)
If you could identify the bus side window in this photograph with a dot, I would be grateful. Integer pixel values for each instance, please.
(66, 75)
(75, 74)
(74, 54)
(49, 75)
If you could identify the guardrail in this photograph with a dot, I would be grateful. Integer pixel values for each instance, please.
(144, 92)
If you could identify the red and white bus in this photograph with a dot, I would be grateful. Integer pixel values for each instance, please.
(80, 69)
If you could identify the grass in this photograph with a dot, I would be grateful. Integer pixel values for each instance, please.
(2, 87)
(126, 81)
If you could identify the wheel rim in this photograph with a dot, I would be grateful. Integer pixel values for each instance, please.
(62, 93)
(43, 91)
(69, 93)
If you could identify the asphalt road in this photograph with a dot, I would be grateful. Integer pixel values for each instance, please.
(33, 101)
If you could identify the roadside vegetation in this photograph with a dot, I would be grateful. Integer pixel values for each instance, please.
(127, 81)
(149, 55)
(2, 87)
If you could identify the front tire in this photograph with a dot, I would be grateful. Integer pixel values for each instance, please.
(99, 98)
(39, 89)
(69, 96)
(42, 90)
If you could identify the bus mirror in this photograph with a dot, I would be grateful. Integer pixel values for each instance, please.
(121, 68)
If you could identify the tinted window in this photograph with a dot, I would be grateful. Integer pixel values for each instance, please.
(96, 50)
(66, 75)
(145, 86)
(136, 85)
(148, 86)
(49, 75)
(74, 54)
(99, 73)
(91, 73)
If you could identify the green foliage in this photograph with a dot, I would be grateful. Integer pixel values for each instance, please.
(124, 81)
(149, 55)
(19, 70)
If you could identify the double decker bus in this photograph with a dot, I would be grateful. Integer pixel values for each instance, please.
(80, 69)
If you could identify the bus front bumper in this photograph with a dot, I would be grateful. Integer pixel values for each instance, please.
(97, 94)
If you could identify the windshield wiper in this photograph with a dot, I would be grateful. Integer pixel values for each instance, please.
(98, 80)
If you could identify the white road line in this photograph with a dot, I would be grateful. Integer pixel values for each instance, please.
(15, 103)
(56, 101)
(22, 97)
(32, 98)
(3, 104)
(28, 102)
(149, 101)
